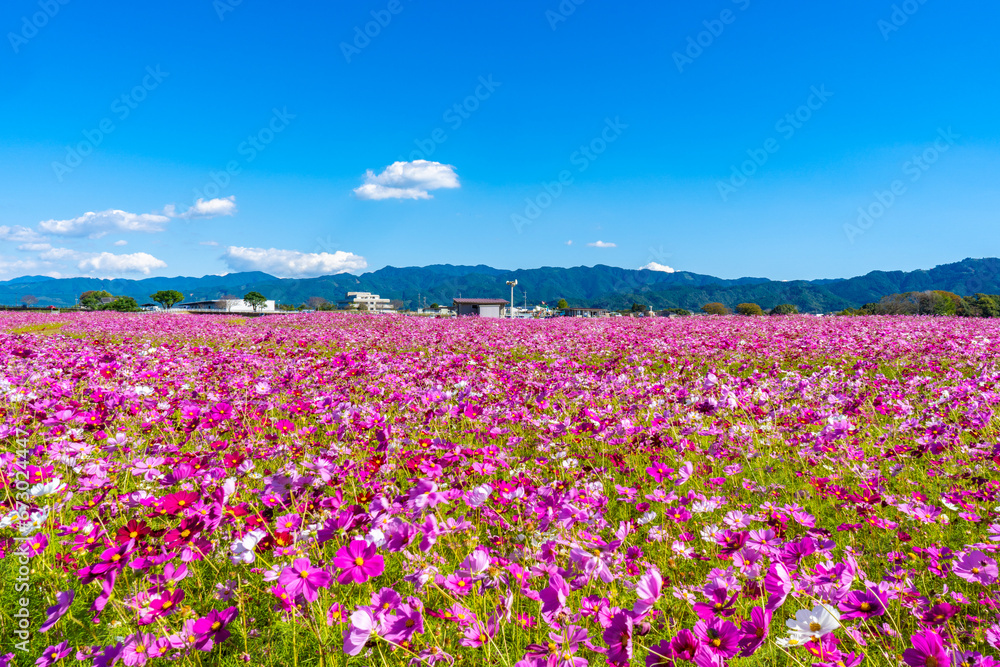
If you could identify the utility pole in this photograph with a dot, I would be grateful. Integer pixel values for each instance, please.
(512, 284)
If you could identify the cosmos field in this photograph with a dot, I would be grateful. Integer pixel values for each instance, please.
(324, 489)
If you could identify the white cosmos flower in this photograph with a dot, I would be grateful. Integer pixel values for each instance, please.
(54, 485)
(243, 548)
(808, 624)
(478, 495)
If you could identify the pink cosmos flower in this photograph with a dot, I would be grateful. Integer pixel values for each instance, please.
(135, 650)
(301, 578)
(479, 633)
(359, 631)
(754, 631)
(928, 651)
(618, 637)
(58, 610)
(976, 567)
(358, 562)
(53, 654)
(718, 637)
(863, 604)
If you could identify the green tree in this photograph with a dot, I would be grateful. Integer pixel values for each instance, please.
(785, 309)
(91, 299)
(123, 304)
(985, 305)
(167, 297)
(749, 309)
(562, 304)
(715, 308)
(255, 300)
(677, 311)
(638, 308)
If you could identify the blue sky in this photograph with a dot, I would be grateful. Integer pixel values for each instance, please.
(727, 137)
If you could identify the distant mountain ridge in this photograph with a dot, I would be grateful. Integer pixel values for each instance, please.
(596, 286)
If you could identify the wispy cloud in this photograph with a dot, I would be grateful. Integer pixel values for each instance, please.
(19, 234)
(34, 247)
(602, 244)
(292, 263)
(407, 180)
(96, 225)
(203, 209)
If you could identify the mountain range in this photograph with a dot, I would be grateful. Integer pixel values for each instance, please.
(596, 286)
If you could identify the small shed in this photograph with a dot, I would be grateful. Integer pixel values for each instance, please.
(478, 307)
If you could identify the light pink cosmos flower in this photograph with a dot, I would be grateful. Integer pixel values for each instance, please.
(976, 567)
(302, 578)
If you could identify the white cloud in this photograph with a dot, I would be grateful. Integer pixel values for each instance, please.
(19, 234)
(204, 209)
(19, 266)
(120, 242)
(408, 180)
(96, 225)
(602, 244)
(59, 254)
(137, 262)
(209, 243)
(569, 242)
(34, 247)
(292, 263)
(653, 266)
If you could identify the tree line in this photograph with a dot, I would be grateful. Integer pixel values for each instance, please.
(932, 302)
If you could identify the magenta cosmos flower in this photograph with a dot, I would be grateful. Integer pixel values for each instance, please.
(619, 639)
(358, 562)
(863, 604)
(718, 637)
(928, 651)
(302, 578)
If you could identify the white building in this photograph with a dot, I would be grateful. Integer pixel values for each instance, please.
(373, 303)
(226, 306)
(478, 307)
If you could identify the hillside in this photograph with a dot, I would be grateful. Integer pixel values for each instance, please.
(598, 286)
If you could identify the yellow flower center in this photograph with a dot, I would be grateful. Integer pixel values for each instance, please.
(359, 561)
(815, 627)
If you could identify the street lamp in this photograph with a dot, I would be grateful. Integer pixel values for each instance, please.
(511, 284)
